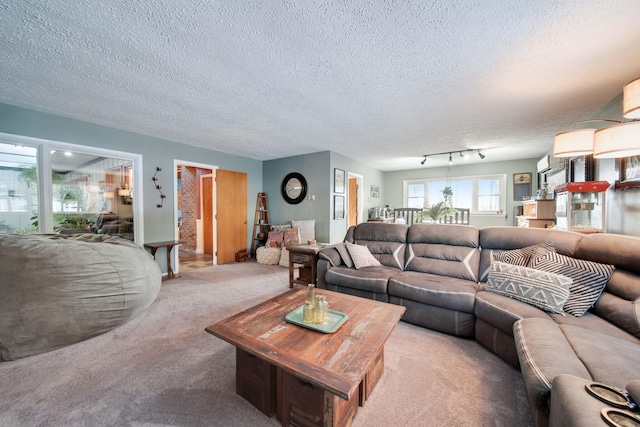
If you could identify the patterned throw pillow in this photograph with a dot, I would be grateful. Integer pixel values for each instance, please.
(291, 236)
(522, 256)
(274, 239)
(361, 256)
(589, 279)
(547, 291)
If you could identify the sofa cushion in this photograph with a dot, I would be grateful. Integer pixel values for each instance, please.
(432, 289)
(361, 256)
(372, 279)
(502, 312)
(620, 302)
(386, 242)
(547, 291)
(608, 359)
(447, 250)
(589, 279)
(596, 323)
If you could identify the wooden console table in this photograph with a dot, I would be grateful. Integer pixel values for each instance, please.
(169, 244)
(307, 255)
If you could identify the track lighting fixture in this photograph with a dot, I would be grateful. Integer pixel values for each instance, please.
(461, 153)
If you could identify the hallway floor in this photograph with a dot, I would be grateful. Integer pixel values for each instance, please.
(190, 260)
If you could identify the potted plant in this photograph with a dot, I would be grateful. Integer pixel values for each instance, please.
(440, 209)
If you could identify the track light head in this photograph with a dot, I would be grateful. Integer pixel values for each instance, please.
(450, 159)
(482, 156)
(423, 160)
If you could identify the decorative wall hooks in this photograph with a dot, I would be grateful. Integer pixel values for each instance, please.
(159, 187)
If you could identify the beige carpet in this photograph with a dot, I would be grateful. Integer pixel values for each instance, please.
(163, 369)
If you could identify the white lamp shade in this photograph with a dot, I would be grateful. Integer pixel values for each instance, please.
(631, 100)
(108, 194)
(617, 141)
(573, 143)
(124, 192)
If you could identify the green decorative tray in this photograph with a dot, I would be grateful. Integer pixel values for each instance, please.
(336, 319)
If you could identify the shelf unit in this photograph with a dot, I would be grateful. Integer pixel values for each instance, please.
(261, 223)
(538, 214)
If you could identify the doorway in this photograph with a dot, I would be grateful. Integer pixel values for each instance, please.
(354, 202)
(194, 215)
(211, 212)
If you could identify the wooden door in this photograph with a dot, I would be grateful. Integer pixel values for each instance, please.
(231, 208)
(353, 202)
(207, 213)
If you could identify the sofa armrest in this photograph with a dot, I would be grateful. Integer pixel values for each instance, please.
(332, 256)
(327, 258)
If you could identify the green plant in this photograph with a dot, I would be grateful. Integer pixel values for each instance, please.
(73, 222)
(440, 209)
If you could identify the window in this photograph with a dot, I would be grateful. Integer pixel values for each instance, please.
(48, 187)
(482, 194)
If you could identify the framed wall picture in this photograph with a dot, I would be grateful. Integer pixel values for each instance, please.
(629, 168)
(338, 207)
(375, 191)
(521, 185)
(338, 180)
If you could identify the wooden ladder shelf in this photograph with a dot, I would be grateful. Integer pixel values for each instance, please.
(261, 223)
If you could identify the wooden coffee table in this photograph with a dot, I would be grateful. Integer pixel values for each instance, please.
(305, 377)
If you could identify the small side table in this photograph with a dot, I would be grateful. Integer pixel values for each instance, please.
(307, 255)
(169, 245)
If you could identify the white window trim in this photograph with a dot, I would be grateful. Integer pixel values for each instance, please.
(500, 176)
(45, 208)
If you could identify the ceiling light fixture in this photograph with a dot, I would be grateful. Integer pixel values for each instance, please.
(631, 100)
(576, 142)
(619, 140)
(461, 153)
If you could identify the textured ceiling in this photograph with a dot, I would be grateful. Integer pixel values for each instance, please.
(379, 81)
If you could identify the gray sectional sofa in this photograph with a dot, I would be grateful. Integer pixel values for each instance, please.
(439, 272)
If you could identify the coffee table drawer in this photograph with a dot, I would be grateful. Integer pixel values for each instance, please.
(306, 404)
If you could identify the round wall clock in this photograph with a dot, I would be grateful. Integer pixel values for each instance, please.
(294, 188)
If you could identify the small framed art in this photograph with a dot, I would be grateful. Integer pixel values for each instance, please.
(338, 207)
(338, 180)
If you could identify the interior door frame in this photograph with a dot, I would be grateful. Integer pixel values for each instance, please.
(359, 195)
(176, 162)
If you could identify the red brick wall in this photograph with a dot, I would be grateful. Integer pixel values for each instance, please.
(190, 203)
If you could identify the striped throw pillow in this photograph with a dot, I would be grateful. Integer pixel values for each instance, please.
(589, 279)
(547, 291)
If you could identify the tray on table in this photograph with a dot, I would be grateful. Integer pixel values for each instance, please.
(336, 319)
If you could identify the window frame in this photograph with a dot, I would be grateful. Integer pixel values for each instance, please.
(45, 196)
(501, 177)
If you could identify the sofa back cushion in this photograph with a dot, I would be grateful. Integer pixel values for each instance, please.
(497, 239)
(444, 249)
(386, 242)
(620, 301)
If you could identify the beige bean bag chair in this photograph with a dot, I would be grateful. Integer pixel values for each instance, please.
(56, 290)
